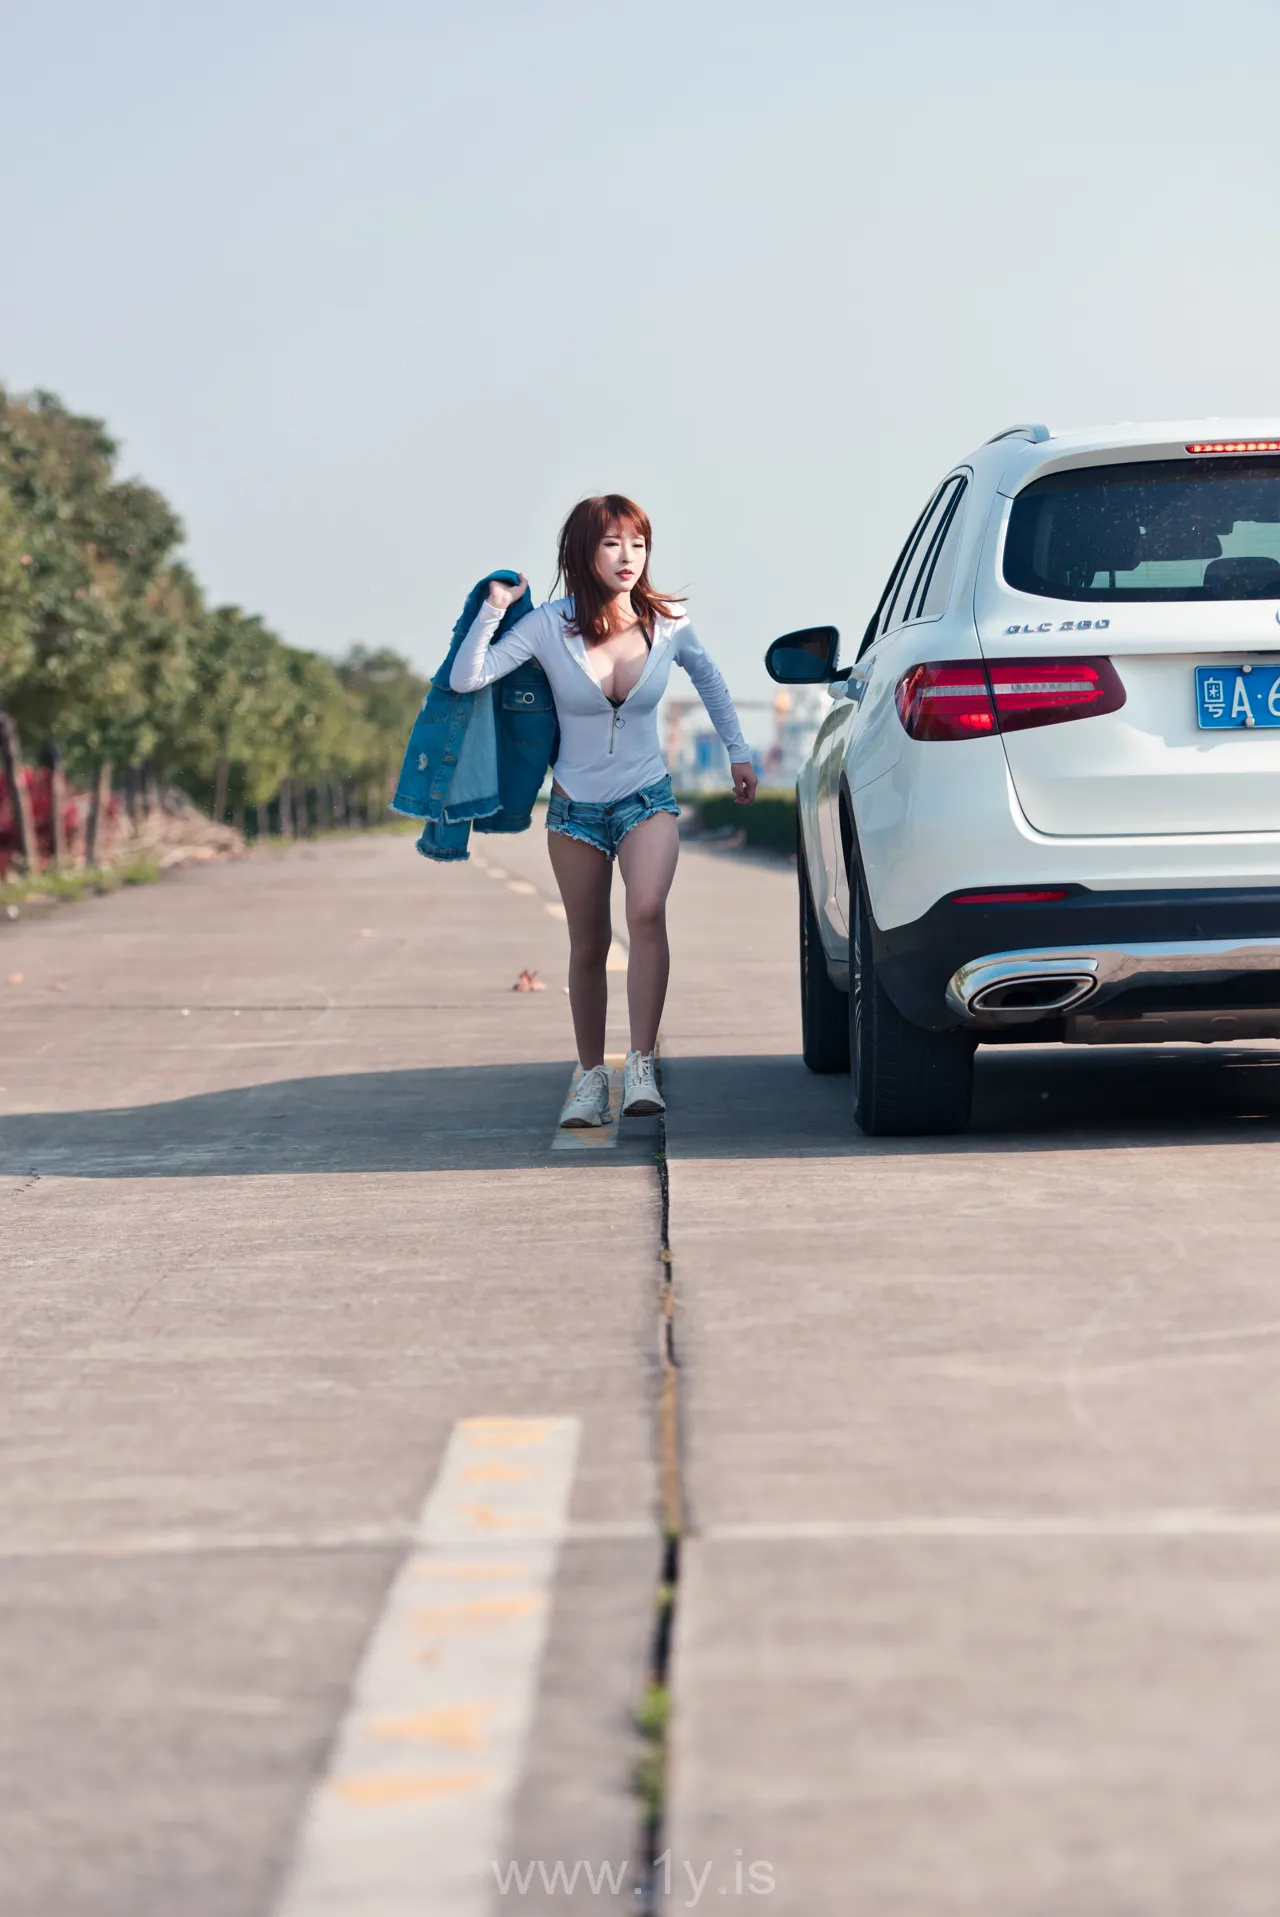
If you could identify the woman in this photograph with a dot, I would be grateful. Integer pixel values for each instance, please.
(607, 650)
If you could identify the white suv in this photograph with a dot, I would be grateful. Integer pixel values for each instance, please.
(1046, 804)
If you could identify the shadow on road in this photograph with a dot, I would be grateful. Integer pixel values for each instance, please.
(483, 1117)
(1050, 1099)
(492, 1117)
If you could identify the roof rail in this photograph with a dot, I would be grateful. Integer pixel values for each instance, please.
(1036, 434)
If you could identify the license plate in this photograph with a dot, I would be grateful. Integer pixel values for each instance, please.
(1232, 696)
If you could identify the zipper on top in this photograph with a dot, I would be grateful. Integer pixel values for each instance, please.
(578, 653)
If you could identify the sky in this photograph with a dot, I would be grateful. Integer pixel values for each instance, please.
(373, 293)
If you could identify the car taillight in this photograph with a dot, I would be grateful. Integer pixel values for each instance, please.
(1234, 446)
(953, 699)
(1044, 692)
(946, 700)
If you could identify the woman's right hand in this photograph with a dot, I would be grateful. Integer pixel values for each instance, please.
(501, 596)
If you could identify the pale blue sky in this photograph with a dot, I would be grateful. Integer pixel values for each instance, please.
(373, 292)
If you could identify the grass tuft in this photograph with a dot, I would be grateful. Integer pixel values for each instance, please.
(654, 1712)
(84, 882)
(651, 1766)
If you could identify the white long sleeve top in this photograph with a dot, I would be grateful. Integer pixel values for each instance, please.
(606, 752)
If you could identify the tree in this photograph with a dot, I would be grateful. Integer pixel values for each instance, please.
(390, 693)
(109, 655)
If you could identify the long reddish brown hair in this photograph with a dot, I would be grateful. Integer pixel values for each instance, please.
(580, 538)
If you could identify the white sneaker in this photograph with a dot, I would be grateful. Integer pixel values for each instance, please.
(589, 1101)
(640, 1096)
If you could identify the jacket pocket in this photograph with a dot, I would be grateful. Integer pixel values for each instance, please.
(527, 733)
(521, 694)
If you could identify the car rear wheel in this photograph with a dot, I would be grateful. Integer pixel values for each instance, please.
(907, 1082)
(824, 1015)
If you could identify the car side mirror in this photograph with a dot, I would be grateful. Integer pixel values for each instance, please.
(805, 658)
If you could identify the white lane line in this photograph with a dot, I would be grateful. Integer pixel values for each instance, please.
(350, 1537)
(617, 959)
(618, 949)
(594, 1138)
(412, 1811)
(1154, 1525)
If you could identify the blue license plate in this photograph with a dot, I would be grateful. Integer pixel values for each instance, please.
(1231, 696)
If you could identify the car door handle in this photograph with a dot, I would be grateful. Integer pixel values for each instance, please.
(852, 683)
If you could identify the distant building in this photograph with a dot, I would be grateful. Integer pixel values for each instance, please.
(706, 762)
(797, 716)
(698, 761)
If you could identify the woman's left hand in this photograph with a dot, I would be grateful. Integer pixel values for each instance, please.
(744, 782)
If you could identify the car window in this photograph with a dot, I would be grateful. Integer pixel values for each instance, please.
(1165, 529)
(875, 624)
(913, 559)
(933, 587)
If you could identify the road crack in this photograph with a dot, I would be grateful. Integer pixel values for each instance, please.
(654, 1716)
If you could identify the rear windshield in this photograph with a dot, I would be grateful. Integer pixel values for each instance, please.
(1163, 529)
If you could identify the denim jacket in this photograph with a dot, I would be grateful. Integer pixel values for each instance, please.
(478, 758)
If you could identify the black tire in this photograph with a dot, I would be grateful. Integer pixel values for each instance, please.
(907, 1083)
(824, 1011)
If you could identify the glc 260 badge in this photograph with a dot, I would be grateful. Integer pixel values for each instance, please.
(1068, 625)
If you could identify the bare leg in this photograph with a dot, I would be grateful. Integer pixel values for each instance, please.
(584, 876)
(647, 859)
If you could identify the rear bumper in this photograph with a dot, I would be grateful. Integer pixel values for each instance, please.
(1105, 954)
(1018, 988)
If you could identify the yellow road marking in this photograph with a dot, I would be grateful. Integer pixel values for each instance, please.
(458, 1726)
(407, 1787)
(430, 1751)
(522, 886)
(518, 1431)
(495, 1473)
(483, 1517)
(515, 1604)
(476, 1613)
(601, 1138)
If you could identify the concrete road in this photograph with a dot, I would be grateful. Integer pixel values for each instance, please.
(979, 1605)
(278, 1209)
(981, 1566)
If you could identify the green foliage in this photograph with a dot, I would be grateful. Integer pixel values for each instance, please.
(649, 1775)
(769, 823)
(83, 882)
(108, 649)
(389, 693)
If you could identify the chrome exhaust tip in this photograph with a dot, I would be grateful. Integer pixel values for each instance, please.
(1053, 994)
(1017, 988)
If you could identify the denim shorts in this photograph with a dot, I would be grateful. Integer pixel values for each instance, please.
(606, 826)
